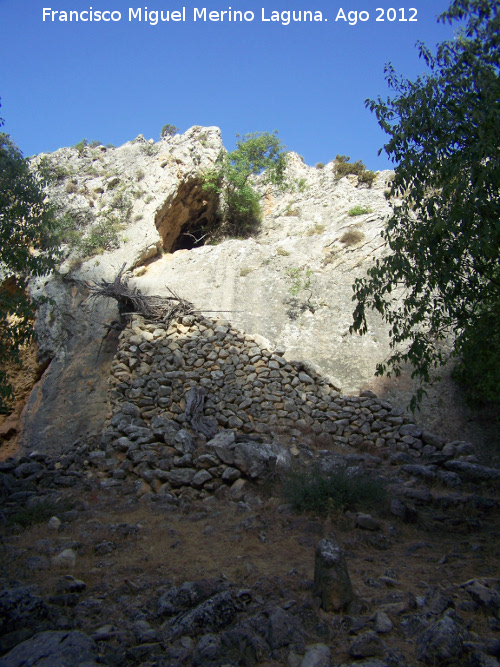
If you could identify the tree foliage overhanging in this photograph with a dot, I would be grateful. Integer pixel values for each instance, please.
(444, 232)
(27, 249)
(231, 180)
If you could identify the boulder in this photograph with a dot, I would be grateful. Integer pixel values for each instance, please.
(442, 641)
(53, 649)
(331, 578)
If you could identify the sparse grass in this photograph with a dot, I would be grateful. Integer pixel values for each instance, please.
(150, 149)
(121, 202)
(291, 211)
(320, 165)
(245, 271)
(329, 258)
(359, 210)
(321, 491)
(282, 253)
(317, 229)
(300, 279)
(351, 237)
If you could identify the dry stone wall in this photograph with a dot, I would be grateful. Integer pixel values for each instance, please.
(259, 410)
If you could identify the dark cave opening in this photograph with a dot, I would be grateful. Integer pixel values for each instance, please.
(194, 233)
(187, 216)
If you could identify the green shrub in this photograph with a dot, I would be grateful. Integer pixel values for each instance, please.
(81, 146)
(71, 187)
(68, 229)
(48, 171)
(317, 490)
(282, 253)
(102, 236)
(168, 130)
(359, 210)
(342, 167)
(301, 184)
(367, 176)
(139, 174)
(320, 165)
(94, 143)
(231, 182)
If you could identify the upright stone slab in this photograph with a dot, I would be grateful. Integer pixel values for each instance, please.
(331, 578)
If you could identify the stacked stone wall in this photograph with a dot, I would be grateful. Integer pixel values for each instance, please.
(250, 388)
(257, 410)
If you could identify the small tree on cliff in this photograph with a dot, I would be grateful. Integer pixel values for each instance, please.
(27, 245)
(444, 234)
(231, 180)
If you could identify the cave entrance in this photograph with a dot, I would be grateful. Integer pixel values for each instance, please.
(186, 217)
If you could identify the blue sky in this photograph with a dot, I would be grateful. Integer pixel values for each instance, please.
(110, 81)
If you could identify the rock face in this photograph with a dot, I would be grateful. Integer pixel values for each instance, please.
(290, 284)
(147, 191)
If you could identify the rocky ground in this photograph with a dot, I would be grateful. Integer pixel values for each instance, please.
(95, 572)
(154, 526)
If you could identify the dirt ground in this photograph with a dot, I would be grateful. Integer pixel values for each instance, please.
(264, 547)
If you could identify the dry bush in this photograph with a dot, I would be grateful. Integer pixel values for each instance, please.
(352, 237)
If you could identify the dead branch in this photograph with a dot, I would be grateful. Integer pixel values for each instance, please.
(131, 300)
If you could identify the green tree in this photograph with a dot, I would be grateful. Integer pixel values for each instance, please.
(231, 179)
(441, 276)
(27, 249)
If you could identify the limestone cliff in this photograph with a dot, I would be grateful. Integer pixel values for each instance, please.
(291, 283)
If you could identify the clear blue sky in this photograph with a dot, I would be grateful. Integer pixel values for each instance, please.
(110, 81)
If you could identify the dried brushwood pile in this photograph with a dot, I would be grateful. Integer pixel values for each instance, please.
(131, 300)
